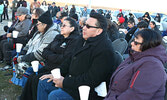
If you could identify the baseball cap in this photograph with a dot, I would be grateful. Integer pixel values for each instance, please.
(21, 11)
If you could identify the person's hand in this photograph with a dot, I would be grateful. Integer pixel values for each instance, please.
(9, 35)
(15, 60)
(58, 82)
(47, 76)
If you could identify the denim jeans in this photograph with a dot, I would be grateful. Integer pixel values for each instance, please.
(47, 91)
(59, 94)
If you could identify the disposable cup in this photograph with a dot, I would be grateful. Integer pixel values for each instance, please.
(15, 34)
(56, 73)
(84, 92)
(35, 65)
(18, 47)
(9, 24)
(101, 89)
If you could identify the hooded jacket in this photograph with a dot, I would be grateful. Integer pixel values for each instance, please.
(140, 77)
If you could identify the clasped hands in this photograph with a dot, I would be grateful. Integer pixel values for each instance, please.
(58, 81)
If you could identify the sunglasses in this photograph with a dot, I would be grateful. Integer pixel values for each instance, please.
(65, 25)
(135, 42)
(88, 26)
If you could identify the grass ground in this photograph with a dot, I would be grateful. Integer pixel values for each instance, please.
(8, 91)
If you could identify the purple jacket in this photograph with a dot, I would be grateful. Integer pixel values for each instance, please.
(140, 77)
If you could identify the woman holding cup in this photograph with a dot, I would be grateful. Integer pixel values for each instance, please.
(35, 46)
(61, 48)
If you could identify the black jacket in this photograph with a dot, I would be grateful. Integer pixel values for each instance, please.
(58, 50)
(92, 63)
(130, 33)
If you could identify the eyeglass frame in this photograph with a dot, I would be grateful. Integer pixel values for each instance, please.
(136, 43)
(63, 25)
(89, 26)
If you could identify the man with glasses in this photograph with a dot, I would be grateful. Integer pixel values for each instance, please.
(92, 63)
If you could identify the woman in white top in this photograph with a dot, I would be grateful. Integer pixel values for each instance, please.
(44, 6)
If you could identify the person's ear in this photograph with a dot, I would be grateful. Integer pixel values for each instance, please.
(72, 29)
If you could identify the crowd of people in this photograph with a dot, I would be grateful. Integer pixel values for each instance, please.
(82, 48)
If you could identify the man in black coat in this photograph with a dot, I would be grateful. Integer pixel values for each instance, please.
(92, 63)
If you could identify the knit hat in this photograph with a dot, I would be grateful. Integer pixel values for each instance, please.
(21, 11)
(46, 18)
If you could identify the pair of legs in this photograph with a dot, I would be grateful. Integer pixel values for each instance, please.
(5, 13)
(47, 91)
(6, 50)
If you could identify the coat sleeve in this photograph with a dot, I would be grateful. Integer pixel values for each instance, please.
(144, 83)
(101, 68)
(23, 28)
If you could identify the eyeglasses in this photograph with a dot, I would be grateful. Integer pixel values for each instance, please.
(135, 42)
(88, 26)
(38, 24)
(65, 25)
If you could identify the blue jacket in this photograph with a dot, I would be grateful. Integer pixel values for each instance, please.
(140, 77)
(1, 8)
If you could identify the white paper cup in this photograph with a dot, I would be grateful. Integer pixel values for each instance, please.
(18, 47)
(56, 73)
(15, 34)
(101, 89)
(35, 65)
(84, 92)
(9, 24)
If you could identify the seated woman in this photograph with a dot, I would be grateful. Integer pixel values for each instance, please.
(22, 26)
(41, 39)
(142, 75)
(60, 49)
(154, 27)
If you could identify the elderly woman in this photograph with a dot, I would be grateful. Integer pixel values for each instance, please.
(142, 75)
(22, 26)
(60, 49)
(41, 39)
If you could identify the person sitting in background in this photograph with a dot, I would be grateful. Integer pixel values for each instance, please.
(33, 5)
(82, 21)
(157, 18)
(154, 27)
(84, 12)
(92, 63)
(146, 17)
(54, 54)
(130, 30)
(22, 26)
(112, 30)
(142, 75)
(60, 16)
(65, 9)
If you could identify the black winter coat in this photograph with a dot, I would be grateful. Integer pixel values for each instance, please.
(92, 63)
(58, 50)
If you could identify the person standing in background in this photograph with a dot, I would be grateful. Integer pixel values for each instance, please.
(33, 5)
(1, 10)
(14, 9)
(5, 12)
(44, 6)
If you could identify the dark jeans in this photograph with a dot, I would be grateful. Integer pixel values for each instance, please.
(46, 91)
(13, 14)
(5, 13)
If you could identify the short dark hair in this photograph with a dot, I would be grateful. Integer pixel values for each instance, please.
(38, 11)
(73, 23)
(101, 20)
(150, 37)
(142, 24)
